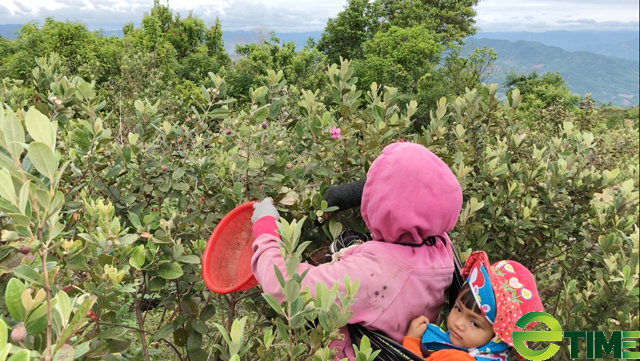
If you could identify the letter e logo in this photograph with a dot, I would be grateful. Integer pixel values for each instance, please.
(520, 337)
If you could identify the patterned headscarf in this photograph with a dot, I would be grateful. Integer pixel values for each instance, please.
(514, 290)
(504, 292)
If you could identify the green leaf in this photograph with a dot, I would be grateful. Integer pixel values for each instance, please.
(194, 342)
(22, 355)
(255, 162)
(63, 306)
(139, 105)
(200, 326)
(4, 352)
(13, 299)
(178, 173)
(137, 257)
(65, 353)
(577, 308)
(81, 349)
(38, 126)
(190, 259)
(181, 186)
(166, 126)
(609, 175)
(157, 284)
(79, 318)
(170, 271)
(261, 114)
(135, 220)
(113, 172)
(56, 202)
(24, 197)
(20, 219)
(571, 287)
(119, 344)
(207, 312)
(180, 337)
(128, 239)
(7, 191)
(163, 332)
(133, 138)
(13, 135)
(335, 228)
(43, 159)
(291, 290)
(3, 326)
(272, 302)
(237, 329)
(6, 162)
(27, 273)
(37, 320)
(56, 230)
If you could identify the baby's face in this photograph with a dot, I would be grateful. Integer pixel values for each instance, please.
(467, 328)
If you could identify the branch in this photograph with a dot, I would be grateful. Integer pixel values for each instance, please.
(124, 326)
(175, 349)
(143, 339)
(47, 289)
(249, 295)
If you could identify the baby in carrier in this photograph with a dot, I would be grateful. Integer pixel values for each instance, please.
(484, 314)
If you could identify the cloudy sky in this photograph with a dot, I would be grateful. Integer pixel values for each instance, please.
(311, 15)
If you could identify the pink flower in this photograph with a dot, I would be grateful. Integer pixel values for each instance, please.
(335, 133)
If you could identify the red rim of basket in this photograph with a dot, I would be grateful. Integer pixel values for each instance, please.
(208, 250)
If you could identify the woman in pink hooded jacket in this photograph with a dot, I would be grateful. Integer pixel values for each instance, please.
(410, 199)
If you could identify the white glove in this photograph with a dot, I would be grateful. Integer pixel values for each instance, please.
(264, 209)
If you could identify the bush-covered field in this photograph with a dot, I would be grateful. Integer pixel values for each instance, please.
(119, 156)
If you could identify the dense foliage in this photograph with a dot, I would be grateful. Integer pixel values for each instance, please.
(119, 156)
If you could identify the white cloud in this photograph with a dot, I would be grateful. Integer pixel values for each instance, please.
(311, 15)
(544, 15)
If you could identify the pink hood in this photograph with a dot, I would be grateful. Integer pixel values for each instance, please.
(410, 194)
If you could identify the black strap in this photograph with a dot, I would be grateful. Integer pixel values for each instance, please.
(389, 349)
(429, 241)
(458, 280)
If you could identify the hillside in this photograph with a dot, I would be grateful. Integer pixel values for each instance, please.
(7, 30)
(622, 44)
(627, 49)
(607, 78)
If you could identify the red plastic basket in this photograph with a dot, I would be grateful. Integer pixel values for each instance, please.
(226, 262)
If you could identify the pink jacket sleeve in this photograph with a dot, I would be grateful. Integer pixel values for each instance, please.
(267, 254)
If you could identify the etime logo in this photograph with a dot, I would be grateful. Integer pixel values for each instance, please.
(597, 344)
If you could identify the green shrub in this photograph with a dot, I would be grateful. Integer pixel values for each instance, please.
(101, 212)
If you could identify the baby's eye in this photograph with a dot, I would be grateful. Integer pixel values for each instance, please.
(476, 325)
(456, 308)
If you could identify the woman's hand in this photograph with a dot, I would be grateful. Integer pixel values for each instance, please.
(417, 327)
(264, 209)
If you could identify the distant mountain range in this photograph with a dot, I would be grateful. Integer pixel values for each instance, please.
(242, 37)
(603, 63)
(607, 78)
(623, 44)
(7, 30)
